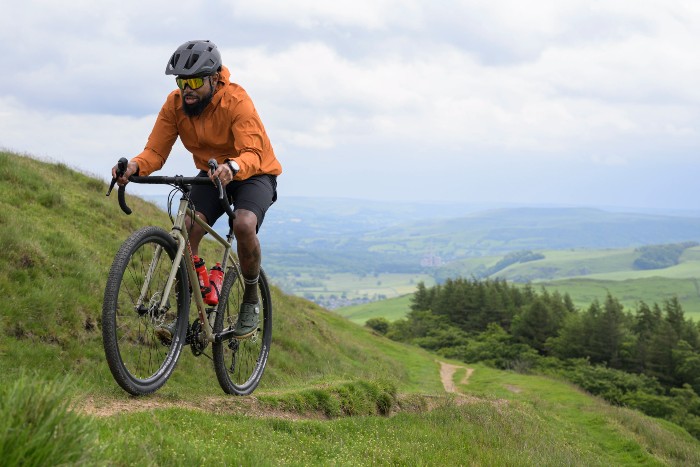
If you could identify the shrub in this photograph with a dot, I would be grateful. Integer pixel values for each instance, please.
(381, 325)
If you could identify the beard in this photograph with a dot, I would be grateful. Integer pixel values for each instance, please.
(193, 110)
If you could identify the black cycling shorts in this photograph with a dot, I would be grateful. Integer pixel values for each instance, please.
(255, 194)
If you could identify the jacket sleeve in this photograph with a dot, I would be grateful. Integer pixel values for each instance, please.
(249, 139)
(161, 140)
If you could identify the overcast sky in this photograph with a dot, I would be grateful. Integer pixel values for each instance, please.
(549, 101)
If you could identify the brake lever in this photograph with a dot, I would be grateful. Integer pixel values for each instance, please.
(121, 170)
(222, 197)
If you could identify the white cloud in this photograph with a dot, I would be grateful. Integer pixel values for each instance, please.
(458, 83)
(308, 14)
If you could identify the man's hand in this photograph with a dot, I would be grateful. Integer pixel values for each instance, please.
(131, 169)
(224, 173)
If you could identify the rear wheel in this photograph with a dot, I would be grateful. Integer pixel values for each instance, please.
(140, 360)
(239, 364)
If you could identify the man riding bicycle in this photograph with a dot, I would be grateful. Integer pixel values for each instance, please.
(215, 118)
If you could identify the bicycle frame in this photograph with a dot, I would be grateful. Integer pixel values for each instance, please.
(180, 234)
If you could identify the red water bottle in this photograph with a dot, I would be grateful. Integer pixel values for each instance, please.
(201, 269)
(216, 279)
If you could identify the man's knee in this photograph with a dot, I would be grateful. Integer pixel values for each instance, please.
(245, 224)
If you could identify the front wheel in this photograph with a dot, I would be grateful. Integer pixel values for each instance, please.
(239, 364)
(140, 359)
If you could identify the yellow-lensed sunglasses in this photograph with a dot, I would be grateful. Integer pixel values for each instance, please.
(193, 83)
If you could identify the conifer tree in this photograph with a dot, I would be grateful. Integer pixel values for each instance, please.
(421, 298)
(645, 326)
(535, 324)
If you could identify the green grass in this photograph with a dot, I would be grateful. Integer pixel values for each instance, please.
(479, 434)
(59, 234)
(38, 427)
(568, 263)
(587, 275)
(613, 435)
(390, 310)
(514, 420)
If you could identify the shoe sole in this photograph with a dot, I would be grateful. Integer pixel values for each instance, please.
(245, 336)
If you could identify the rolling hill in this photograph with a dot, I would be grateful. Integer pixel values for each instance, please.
(309, 244)
(385, 235)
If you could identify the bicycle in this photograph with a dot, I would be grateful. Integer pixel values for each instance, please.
(154, 270)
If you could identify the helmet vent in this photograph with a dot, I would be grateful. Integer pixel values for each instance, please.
(193, 59)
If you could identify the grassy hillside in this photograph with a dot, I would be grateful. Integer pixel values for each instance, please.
(59, 233)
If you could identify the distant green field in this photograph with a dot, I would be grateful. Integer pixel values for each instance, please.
(583, 292)
(612, 264)
(586, 275)
(631, 291)
(391, 309)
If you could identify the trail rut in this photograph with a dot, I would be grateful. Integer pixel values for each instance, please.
(447, 372)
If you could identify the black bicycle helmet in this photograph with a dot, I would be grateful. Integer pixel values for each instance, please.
(194, 59)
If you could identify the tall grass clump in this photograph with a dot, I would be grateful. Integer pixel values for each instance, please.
(350, 398)
(38, 428)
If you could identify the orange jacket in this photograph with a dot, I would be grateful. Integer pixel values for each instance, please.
(228, 128)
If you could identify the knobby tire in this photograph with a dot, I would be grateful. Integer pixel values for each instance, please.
(138, 359)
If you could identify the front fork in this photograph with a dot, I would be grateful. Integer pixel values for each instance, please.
(163, 306)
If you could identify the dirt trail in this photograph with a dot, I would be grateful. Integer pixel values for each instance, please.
(250, 406)
(106, 407)
(447, 372)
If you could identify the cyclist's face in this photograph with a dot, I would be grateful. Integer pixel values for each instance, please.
(194, 96)
(194, 101)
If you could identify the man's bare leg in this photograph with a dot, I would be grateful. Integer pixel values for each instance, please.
(249, 252)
